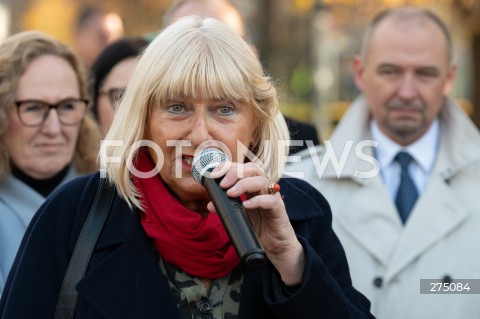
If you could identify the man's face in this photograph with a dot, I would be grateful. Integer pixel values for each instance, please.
(100, 31)
(405, 76)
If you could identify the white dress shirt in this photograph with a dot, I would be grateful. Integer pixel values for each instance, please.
(424, 152)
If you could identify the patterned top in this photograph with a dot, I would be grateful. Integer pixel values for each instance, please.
(195, 302)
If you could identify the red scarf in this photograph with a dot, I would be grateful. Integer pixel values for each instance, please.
(198, 245)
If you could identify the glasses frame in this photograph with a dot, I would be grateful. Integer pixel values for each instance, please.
(51, 106)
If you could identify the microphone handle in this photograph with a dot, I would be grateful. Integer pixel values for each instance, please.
(236, 223)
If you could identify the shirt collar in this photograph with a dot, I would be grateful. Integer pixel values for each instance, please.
(424, 150)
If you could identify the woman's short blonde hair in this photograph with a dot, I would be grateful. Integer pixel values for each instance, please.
(199, 59)
(16, 53)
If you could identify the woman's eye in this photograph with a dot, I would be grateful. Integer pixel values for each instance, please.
(176, 108)
(67, 106)
(33, 108)
(226, 110)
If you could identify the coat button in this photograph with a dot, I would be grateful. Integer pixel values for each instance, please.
(447, 279)
(377, 282)
(205, 306)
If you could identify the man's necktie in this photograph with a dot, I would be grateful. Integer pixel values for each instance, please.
(407, 192)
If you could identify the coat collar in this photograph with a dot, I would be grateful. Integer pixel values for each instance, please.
(438, 212)
(21, 198)
(375, 226)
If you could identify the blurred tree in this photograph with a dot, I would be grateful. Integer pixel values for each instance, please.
(282, 39)
(469, 13)
(52, 16)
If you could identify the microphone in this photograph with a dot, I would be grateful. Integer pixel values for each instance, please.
(231, 211)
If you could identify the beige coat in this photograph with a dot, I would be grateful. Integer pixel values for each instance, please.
(441, 239)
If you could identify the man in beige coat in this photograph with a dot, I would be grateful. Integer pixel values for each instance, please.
(405, 71)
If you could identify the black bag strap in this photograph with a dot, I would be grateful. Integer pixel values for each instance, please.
(67, 300)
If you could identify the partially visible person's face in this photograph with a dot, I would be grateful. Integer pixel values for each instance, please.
(116, 80)
(112, 27)
(197, 120)
(219, 10)
(406, 77)
(42, 151)
(101, 30)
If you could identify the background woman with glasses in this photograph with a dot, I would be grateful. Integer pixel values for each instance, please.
(47, 135)
(111, 72)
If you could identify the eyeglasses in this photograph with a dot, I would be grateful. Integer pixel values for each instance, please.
(114, 95)
(34, 112)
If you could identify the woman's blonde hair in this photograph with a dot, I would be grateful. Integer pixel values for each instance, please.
(199, 59)
(16, 53)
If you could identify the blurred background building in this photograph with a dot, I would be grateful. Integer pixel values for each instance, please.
(307, 46)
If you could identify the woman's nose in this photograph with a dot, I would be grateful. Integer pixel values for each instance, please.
(52, 124)
(201, 130)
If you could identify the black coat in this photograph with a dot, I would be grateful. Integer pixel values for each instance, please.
(300, 131)
(124, 280)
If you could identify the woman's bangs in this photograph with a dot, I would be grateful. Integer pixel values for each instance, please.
(203, 76)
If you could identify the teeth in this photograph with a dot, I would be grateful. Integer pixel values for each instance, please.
(188, 160)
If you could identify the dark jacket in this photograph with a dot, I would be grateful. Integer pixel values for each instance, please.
(124, 280)
(302, 132)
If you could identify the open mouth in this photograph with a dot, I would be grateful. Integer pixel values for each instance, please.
(187, 159)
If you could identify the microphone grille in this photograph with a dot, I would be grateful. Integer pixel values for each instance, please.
(205, 161)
